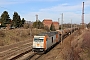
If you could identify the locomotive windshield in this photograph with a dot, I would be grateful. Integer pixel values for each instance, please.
(38, 40)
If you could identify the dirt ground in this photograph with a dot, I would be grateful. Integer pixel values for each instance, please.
(74, 47)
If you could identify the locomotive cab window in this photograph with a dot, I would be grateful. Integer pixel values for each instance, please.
(38, 40)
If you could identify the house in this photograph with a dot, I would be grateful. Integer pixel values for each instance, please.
(56, 24)
(48, 22)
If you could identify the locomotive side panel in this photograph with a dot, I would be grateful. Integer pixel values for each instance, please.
(51, 41)
(48, 42)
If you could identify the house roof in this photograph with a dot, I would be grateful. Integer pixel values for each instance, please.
(47, 21)
(55, 23)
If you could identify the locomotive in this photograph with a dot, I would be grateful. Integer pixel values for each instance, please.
(44, 41)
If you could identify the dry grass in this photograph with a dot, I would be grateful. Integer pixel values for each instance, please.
(16, 35)
(85, 53)
(2, 34)
(69, 48)
(78, 48)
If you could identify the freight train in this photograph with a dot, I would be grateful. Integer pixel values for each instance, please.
(44, 41)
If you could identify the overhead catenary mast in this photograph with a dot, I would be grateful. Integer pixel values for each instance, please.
(62, 29)
(71, 25)
(58, 20)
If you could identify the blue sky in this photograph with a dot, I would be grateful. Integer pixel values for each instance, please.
(47, 9)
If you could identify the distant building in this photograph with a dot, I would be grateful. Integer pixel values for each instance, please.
(56, 24)
(28, 22)
(48, 22)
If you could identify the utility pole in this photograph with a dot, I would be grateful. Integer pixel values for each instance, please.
(58, 20)
(61, 29)
(30, 26)
(36, 23)
(83, 16)
(71, 25)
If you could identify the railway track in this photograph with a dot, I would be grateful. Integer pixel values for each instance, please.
(19, 57)
(13, 45)
(29, 55)
(34, 56)
(19, 51)
(15, 52)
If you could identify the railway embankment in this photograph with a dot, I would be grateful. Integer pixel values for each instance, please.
(71, 47)
(74, 47)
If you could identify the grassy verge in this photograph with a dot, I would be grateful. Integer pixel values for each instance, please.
(8, 37)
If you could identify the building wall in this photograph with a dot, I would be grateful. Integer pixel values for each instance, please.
(56, 24)
(48, 22)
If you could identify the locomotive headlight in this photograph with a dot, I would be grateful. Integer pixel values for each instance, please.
(41, 46)
(38, 44)
(34, 46)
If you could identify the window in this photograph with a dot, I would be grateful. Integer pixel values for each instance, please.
(52, 39)
(38, 40)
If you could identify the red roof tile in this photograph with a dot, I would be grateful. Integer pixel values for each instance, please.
(55, 23)
(47, 21)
